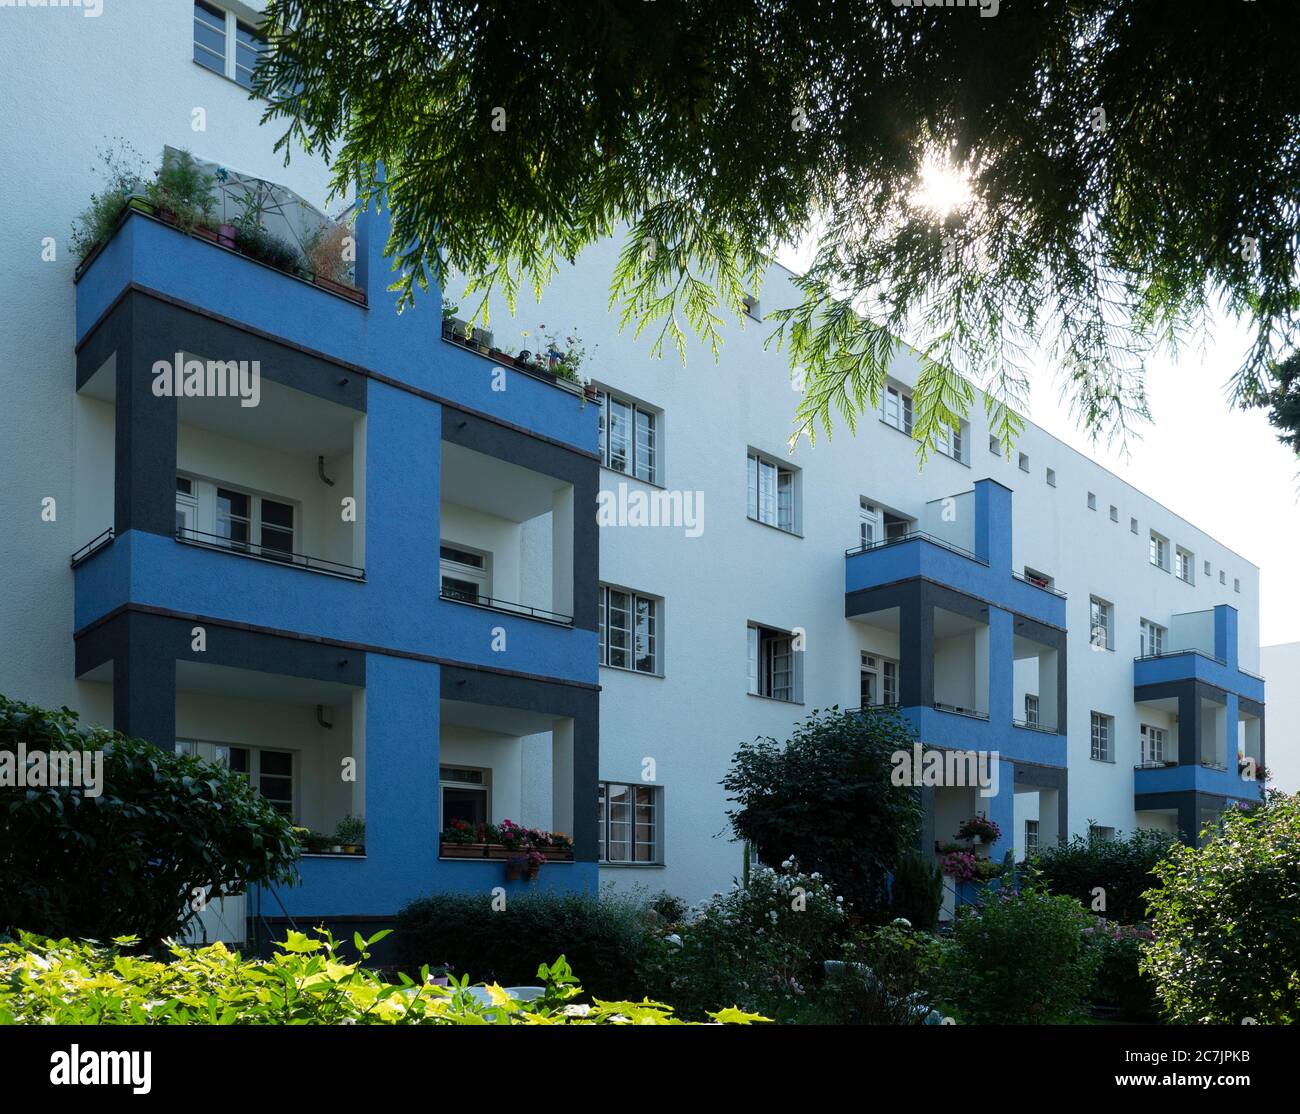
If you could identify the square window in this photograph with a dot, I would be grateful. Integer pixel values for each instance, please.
(1092, 501)
(1114, 513)
(628, 628)
(1133, 525)
(752, 308)
(1024, 462)
(629, 822)
(1051, 477)
(995, 446)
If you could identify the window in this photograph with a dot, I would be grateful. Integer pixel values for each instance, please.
(1236, 584)
(466, 795)
(629, 630)
(752, 308)
(1092, 501)
(1051, 477)
(1102, 733)
(1098, 832)
(271, 771)
(465, 574)
(775, 668)
(1114, 513)
(1159, 551)
(628, 817)
(1024, 462)
(879, 681)
(1031, 837)
(254, 524)
(1152, 638)
(1206, 567)
(951, 441)
(1132, 525)
(1184, 565)
(871, 523)
(1101, 630)
(771, 493)
(1223, 577)
(629, 438)
(995, 445)
(896, 409)
(1153, 745)
(1031, 709)
(224, 44)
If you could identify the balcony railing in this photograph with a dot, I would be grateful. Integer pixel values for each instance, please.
(1040, 584)
(914, 535)
(1178, 653)
(506, 606)
(958, 710)
(87, 551)
(1154, 765)
(1033, 725)
(268, 553)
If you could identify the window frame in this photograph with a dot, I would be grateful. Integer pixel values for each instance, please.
(1031, 837)
(902, 406)
(1151, 634)
(1108, 623)
(450, 567)
(201, 508)
(604, 603)
(1158, 551)
(1184, 563)
(1150, 740)
(885, 672)
(1101, 726)
(763, 657)
(650, 448)
(232, 26)
(604, 820)
(483, 786)
(782, 494)
(254, 773)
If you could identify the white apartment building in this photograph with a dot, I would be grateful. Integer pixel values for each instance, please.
(1038, 606)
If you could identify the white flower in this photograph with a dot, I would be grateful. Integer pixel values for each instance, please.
(577, 1011)
(816, 877)
(786, 865)
(902, 922)
(839, 901)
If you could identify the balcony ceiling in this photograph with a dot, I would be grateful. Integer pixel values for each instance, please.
(251, 684)
(503, 721)
(493, 486)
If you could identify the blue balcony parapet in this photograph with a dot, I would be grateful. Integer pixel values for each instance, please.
(155, 257)
(959, 731)
(984, 572)
(1196, 665)
(1195, 779)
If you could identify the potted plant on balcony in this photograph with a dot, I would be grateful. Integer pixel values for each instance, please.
(449, 319)
(515, 867)
(533, 863)
(980, 828)
(326, 251)
(351, 834)
(959, 866)
(181, 194)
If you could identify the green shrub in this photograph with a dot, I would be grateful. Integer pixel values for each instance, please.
(1122, 867)
(826, 798)
(164, 825)
(123, 173)
(889, 976)
(668, 907)
(1019, 958)
(59, 982)
(607, 937)
(184, 191)
(760, 946)
(1226, 919)
(916, 891)
(1118, 983)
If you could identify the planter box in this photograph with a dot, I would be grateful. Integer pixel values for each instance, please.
(340, 288)
(499, 851)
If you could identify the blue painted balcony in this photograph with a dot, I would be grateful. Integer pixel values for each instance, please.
(1203, 647)
(1234, 784)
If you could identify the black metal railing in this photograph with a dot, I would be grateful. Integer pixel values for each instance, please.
(1179, 653)
(1034, 725)
(958, 710)
(508, 607)
(1039, 584)
(87, 551)
(1155, 765)
(268, 553)
(914, 535)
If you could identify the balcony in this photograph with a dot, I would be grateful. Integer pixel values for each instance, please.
(1201, 647)
(346, 332)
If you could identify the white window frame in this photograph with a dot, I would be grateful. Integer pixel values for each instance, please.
(232, 68)
(772, 493)
(640, 605)
(951, 442)
(654, 794)
(1101, 736)
(775, 670)
(1154, 743)
(1092, 500)
(871, 522)
(1051, 477)
(200, 509)
(1031, 709)
(484, 786)
(1031, 837)
(450, 568)
(1185, 565)
(220, 753)
(1101, 616)
(896, 408)
(883, 673)
(641, 459)
(1158, 551)
(1023, 462)
(1152, 638)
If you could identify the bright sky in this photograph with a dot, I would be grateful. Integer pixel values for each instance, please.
(1219, 467)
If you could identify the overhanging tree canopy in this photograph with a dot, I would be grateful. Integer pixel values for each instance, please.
(1131, 163)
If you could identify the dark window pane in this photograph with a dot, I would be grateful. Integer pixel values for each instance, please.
(279, 762)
